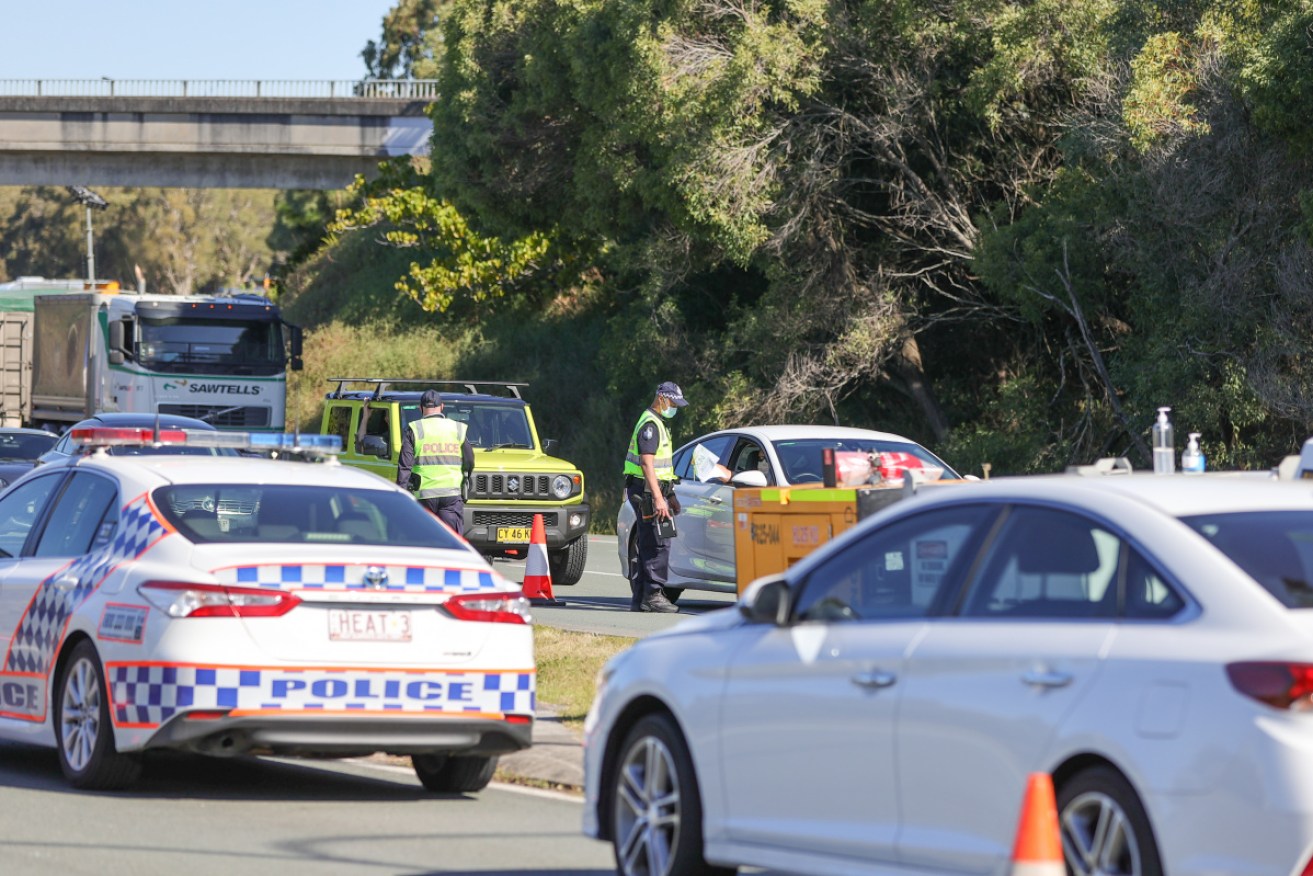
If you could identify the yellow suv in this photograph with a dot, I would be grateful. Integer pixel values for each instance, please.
(515, 476)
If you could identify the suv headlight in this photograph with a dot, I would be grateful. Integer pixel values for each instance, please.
(562, 487)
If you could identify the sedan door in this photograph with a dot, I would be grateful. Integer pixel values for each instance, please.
(698, 552)
(985, 692)
(808, 715)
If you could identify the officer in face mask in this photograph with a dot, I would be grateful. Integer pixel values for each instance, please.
(649, 487)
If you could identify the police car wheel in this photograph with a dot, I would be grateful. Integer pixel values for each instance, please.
(451, 774)
(655, 807)
(84, 735)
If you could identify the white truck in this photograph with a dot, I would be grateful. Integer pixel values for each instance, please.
(66, 353)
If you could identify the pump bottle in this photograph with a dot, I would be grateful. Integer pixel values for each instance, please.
(1164, 449)
(1192, 458)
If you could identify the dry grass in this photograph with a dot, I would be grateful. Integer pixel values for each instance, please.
(568, 663)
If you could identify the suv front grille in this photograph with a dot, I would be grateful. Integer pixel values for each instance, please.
(510, 518)
(511, 486)
(217, 415)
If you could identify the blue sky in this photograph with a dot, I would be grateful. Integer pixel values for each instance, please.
(187, 39)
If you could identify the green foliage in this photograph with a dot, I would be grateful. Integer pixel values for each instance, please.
(410, 46)
(1158, 102)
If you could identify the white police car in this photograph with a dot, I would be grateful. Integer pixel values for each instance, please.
(230, 605)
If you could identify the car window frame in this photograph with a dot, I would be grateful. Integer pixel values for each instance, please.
(737, 450)
(960, 570)
(1191, 607)
(114, 506)
(60, 477)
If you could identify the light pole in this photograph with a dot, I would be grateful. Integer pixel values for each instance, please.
(91, 200)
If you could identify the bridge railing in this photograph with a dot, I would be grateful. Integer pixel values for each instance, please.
(401, 89)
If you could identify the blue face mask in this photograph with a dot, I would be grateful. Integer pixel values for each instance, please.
(669, 413)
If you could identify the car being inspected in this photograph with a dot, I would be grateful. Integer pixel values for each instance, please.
(702, 555)
(19, 451)
(1146, 640)
(227, 605)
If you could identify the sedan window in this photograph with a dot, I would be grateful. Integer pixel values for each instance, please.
(20, 509)
(1048, 564)
(1275, 548)
(900, 571)
(85, 511)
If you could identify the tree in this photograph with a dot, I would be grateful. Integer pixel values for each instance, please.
(411, 42)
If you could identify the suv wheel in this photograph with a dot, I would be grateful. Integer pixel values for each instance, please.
(567, 564)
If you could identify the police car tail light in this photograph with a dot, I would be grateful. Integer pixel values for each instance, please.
(181, 599)
(1280, 685)
(497, 608)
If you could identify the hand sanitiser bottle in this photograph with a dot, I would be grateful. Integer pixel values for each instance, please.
(1164, 451)
(1192, 459)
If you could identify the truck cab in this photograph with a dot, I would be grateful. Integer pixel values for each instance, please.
(515, 474)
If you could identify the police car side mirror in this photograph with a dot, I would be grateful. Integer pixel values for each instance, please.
(373, 445)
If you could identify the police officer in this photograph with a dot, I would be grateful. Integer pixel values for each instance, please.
(649, 483)
(437, 452)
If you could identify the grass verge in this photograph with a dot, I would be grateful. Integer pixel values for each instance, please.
(568, 663)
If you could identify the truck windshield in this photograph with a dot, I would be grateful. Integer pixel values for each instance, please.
(209, 346)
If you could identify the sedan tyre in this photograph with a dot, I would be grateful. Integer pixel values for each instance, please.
(1105, 831)
(449, 774)
(656, 812)
(84, 735)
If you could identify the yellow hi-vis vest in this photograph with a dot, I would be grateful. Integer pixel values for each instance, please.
(437, 456)
(665, 469)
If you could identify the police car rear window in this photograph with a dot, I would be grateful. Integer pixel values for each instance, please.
(283, 514)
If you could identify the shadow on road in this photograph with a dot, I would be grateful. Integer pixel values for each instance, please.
(177, 775)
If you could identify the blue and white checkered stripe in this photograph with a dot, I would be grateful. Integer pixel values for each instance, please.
(42, 625)
(147, 694)
(343, 576)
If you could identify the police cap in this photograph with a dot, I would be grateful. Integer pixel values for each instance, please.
(430, 399)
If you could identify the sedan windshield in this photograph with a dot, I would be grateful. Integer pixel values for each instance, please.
(281, 513)
(801, 459)
(1275, 548)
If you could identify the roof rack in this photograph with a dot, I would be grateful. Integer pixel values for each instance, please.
(1109, 465)
(380, 383)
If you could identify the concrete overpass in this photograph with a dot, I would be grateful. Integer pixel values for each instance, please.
(207, 133)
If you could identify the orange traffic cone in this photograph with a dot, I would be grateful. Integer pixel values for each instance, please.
(1038, 849)
(537, 578)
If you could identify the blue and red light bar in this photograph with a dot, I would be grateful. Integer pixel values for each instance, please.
(283, 442)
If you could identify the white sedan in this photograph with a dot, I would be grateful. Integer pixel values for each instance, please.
(702, 554)
(1147, 640)
(230, 605)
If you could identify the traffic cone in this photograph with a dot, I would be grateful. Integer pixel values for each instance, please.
(537, 577)
(1038, 849)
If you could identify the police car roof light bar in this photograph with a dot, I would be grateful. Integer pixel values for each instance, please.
(379, 383)
(282, 442)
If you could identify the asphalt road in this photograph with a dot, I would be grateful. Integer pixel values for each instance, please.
(599, 603)
(210, 817)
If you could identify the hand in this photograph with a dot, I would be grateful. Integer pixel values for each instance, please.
(660, 506)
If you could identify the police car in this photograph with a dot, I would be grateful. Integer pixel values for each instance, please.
(229, 605)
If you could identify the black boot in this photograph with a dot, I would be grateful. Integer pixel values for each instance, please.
(635, 594)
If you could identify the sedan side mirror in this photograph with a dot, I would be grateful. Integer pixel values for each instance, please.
(750, 478)
(373, 445)
(766, 601)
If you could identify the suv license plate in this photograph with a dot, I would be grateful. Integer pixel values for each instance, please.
(347, 625)
(516, 534)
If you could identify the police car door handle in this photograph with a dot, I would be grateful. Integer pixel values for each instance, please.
(1043, 678)
(874, 680)
(65, 583)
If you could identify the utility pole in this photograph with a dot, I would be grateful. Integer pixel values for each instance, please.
(91, 200)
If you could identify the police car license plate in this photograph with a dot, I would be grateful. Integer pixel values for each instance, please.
(516, 534)
(348, 625)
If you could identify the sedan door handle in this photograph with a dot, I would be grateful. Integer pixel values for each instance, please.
(874, 680)
(1039, 678)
